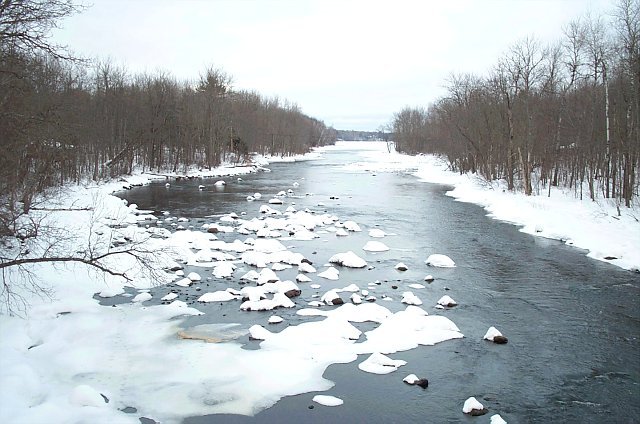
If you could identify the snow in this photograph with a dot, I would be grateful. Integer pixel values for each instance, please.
(471, 404)
(376, 233)
(491, 333)
(440, 261)
(446, 301)
(60, 365)
(142, 297)
(348, 259)
(301, 278)
(217, 296)
(411, 379)
(410, 299)
(84, 395)
(352, 226)
(275, 319)
(497, 419)
(330, 273)
(378, 363)
(194, 276)
(327, 400)
(169, 296)
(375, 246)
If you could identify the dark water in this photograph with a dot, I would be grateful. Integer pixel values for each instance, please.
(573, 323)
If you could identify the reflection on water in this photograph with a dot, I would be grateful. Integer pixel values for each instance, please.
(573, 323)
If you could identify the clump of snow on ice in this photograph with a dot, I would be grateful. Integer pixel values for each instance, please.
(111, 292)
(258, 332)
(327, 400)
(341, 232)
(223, 269)
(301, 278)
(84, 395)
(194, 276)
(447, 301)
(351, 226)
(356, 299)
(331, 297)
(416, 286)
(330, 273)
(497, 419)
(169, 296)
(142, 297)
(218, 296)
(348, 259)
(376, 233)
(377, 363)
(315, 286)
(375, 246)
(275, 319)
(350, 288)
(440, 261)
(410, 299)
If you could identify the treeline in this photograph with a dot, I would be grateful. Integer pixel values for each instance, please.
(565, 114)
(354, 135)
(63, 119)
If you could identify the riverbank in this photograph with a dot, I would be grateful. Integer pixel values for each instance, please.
(609, 233)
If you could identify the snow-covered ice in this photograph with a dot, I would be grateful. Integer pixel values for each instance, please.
(440, 261)
(375, 246)
(348, 259)
(327, 400)
(377, 363)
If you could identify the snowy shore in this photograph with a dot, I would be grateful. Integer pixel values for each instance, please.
(78, 361)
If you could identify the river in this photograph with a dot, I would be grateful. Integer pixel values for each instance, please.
(572, 322)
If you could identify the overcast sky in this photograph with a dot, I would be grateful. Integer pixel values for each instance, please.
(351, 64)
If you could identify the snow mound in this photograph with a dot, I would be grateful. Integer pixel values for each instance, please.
(497, 419)
(327, 400)
(330, 274)
(472, 404)
(491, 333)
(84, 395)
(217, 296)
(348, 259)
(447, 301)
(440, 261)
(375, 246)
(376, 233)
(352, 226)
(378, 363)
(410, 299)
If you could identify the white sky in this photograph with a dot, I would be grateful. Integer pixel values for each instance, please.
(349, 63)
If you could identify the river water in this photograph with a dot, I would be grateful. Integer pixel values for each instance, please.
(573, 323)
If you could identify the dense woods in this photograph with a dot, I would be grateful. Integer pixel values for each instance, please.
(64, 120)
(566, 114)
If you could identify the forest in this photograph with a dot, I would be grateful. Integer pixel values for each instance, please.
(68, 119)
(565, 114)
